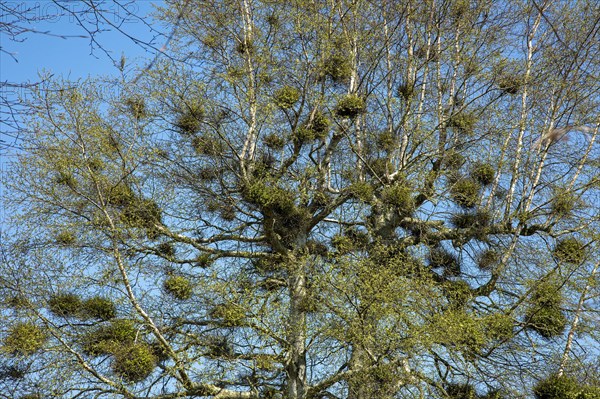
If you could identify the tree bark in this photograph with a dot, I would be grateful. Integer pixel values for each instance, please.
(295, 366)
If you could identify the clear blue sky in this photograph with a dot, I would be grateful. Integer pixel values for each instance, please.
(75, 57)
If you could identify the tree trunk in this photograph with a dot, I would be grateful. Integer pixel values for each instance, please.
(296, 357)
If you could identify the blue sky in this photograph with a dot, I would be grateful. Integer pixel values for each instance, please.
(75, 57)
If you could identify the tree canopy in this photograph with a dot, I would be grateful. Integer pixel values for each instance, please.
(334, 199)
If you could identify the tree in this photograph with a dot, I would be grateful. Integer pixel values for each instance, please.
(19, 21)
(325, 200)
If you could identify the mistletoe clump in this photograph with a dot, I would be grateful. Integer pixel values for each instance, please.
(204, 260)
(378, 167)
(190, 119)
(274, 141)
(441, 257)
(136, 106)
(405, 90)
(71, 305)
(342, 244)
(563, 204)
(17, 301)
(310, 303)
(362, 191)
(136, 211)
(453, 160)
(65, 238)
(463, 122)
(267, 265)
(476, 222)
(499, 326)
(98, 307)
(569, 250)
(208, 145)
(494, 394)
(458, 293)
(142, 213)
(210, 41)
(317, 248)
(218, 346)
(316, 127)
(465, 192)
(24, 339)
(12, 372)
(264, 362)
(66, 178)
(228, 213)
(589, 392)
(399, 196)
(483, 173)
(95, 164)
(386, 141)
(286, 97)
(159, 351)
(104, 339)
(264, 193)
(488, 258)
(510, 84)
(65, 304)
(350, 106)
(166, 249)
(467, 391)
(178, 287)
(508, 79)
(245, 47)
(557, 387)
(545, 315)
(209, 173)
(230, 313)
(460, 391)
(133, 362)
(548, 321)
(338, 68)
(457, 329)
(120, 195)
(358, 238)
